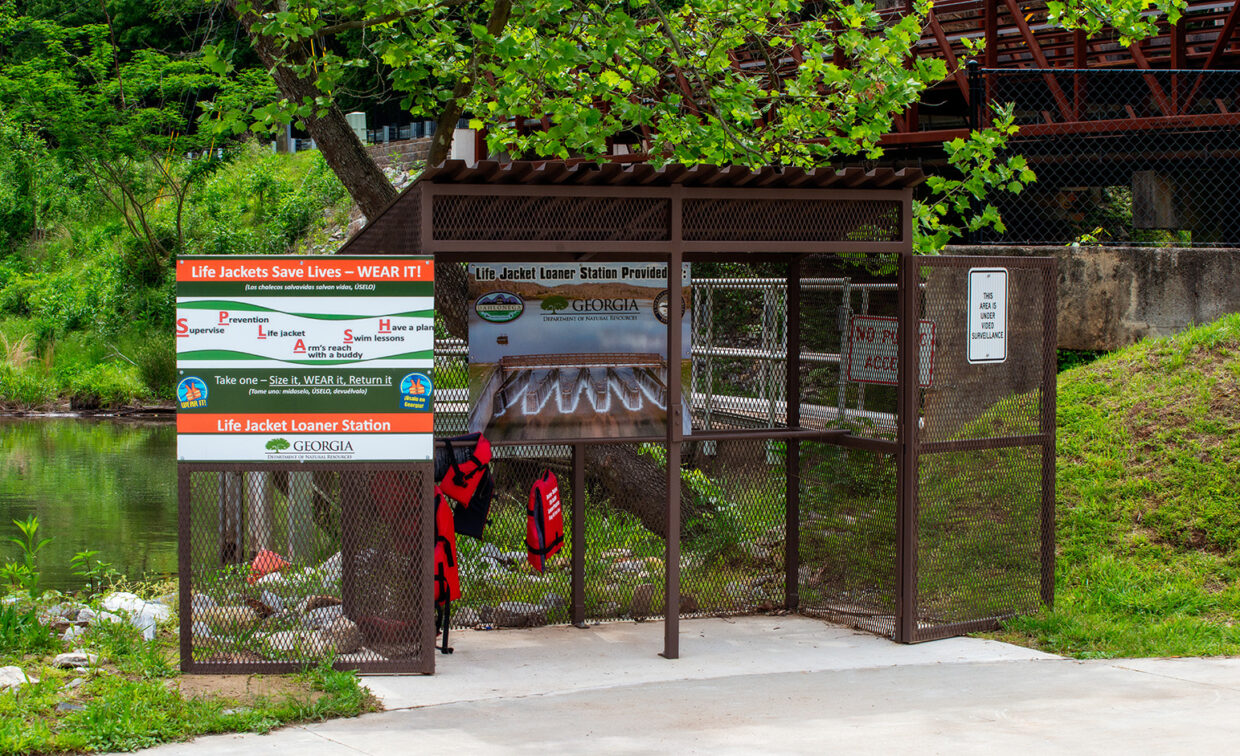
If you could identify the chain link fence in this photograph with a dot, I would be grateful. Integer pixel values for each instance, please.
(1132, 157)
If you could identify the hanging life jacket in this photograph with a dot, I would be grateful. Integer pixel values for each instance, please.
(460, 464)
(544, 533)
(447, 579)
(463, 473)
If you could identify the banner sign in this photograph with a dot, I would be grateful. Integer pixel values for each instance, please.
(572, 350)
(299, 359)
(873, 347)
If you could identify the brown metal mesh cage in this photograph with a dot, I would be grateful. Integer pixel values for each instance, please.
(293, 565)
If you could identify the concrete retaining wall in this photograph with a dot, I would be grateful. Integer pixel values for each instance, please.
(1112, 296)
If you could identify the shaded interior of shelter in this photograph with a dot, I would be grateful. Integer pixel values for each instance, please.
(787, 502)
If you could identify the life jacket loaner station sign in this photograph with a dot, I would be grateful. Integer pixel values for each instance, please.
(305, 359)
(988, 297)
(873, 348)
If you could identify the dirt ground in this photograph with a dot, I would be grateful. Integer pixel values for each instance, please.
(244, 689)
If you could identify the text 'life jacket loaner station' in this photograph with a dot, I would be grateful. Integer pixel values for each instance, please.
(655, 393)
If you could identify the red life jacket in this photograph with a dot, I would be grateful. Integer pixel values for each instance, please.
(461, 479)
(544, 533)
(447, 581)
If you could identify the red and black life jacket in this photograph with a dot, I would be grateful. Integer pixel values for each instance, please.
(459, 478)
(545, 530)
(447, 580)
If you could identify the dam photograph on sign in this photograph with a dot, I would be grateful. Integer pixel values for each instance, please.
(571, 350)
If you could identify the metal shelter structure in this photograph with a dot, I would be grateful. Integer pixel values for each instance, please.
(841, 462)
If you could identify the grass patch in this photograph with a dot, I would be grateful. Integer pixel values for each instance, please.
(136, 698)
(1148, 507)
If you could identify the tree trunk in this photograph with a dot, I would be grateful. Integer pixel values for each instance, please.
(344, 152)
(637, 484)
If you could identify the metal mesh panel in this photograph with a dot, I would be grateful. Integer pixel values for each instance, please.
(1122, 156)
(293, 565)
(740, 346)
(978, 535)
(848, 536)
(509, 218)
(498, 585)
(786, 220)
(732, 536)
(974, 401)
(836, 290)
(985, 454)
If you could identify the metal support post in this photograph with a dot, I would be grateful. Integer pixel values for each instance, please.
(906, 463)
(579, 535)
(675, 415)
(792, 456)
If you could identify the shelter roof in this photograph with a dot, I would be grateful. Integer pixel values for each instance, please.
(644, 174)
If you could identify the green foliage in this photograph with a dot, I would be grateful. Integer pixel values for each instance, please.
(22, 633)
(26, 574)
(95, 573)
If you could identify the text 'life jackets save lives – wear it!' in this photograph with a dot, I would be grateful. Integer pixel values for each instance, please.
(463, 474)
(545, 527)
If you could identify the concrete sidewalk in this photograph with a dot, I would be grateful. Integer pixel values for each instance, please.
(776, 684)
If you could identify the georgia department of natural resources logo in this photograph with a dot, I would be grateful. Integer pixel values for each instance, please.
(277, 445)
(192, 393)
(499, 307)
(660, 306)
(415, 391)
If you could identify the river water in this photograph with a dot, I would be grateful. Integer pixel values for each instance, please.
(94, 484)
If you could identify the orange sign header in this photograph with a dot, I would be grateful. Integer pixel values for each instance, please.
(241, 269)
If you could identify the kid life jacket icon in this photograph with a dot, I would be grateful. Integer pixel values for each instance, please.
(415, 392)
(192, 393)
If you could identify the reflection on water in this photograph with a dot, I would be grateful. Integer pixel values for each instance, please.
(102, 485)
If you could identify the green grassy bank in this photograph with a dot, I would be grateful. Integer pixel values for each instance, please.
(1149, 502)
(86, 310)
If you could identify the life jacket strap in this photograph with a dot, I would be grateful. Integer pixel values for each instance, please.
(536, 551)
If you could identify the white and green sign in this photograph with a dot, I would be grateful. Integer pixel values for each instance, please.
(305, 359)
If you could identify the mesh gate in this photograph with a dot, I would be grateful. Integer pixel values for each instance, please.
(985, 457)
(284, 566)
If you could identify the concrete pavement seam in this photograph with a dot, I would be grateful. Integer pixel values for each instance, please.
(1233, 689)
(306, 729)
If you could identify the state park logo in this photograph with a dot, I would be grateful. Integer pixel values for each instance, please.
(192, 393)
(499, 307)
(415, 392)
(277, 445)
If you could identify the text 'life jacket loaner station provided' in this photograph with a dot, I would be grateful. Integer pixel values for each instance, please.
(540, 393)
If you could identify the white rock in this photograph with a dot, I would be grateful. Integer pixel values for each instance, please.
(14, 677)
(144, 615)
(202, 601)
(330, 571)
(122, 602)
(75, 660)
(74, 683)
(286, 641)
(270, 580)
(107, 617)
(73, 633)
(272, 601)
(86, 615)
